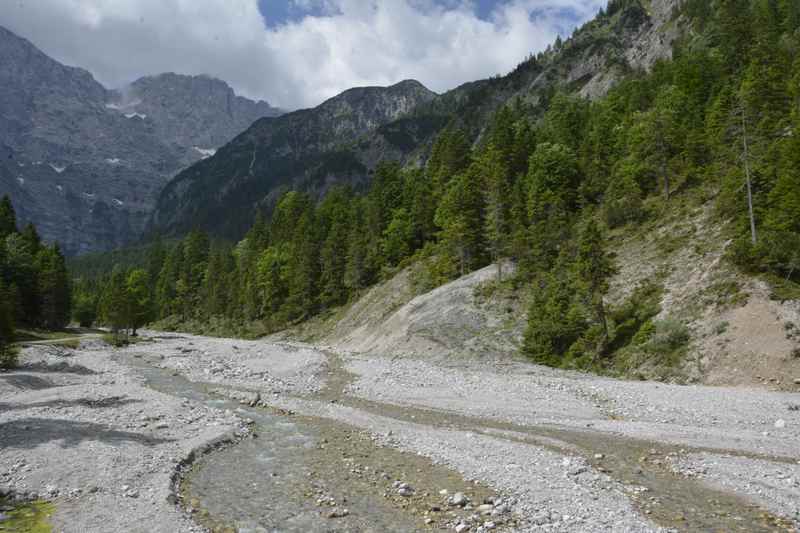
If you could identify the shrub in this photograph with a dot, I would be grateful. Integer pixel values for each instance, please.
(8, 357)
(670, 336)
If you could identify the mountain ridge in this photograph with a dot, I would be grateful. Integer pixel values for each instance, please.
(85, 166)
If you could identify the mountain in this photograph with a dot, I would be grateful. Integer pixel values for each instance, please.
(342, 140)
(307, 149)
(85, 164)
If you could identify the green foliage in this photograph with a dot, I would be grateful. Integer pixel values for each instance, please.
(555, 320)
(8, 354)
(33, 275)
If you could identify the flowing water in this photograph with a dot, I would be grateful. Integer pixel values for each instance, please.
(296, 472)
(275, 482)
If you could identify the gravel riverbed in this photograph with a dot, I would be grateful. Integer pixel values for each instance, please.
(564, 451)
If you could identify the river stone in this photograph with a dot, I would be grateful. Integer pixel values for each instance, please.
(459, 499)
(405, 491)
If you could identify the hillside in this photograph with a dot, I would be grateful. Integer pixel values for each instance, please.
(85, 164)
(739, 332)
(312, 150)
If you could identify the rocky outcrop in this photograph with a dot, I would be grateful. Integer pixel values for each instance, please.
(85, 164)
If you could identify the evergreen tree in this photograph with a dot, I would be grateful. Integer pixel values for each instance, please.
(114, 305)
(8, 357)
(54, 288)
(138, 306)
(460, 217)
(8, 218)
(593, 269)
(555, 322)
(553, 181)
(494, 168)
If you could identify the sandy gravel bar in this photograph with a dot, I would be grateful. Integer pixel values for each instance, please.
(82, 431)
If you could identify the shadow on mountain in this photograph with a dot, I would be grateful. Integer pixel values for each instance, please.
(113, 401)
(29, 433)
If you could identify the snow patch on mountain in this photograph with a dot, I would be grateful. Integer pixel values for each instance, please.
(205, 152)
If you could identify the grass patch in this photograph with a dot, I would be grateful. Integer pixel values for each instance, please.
(782, 289)
(72, 344)
(40, 335)
(31, 517)
(121, 340)
(725, 294)
(9, 357)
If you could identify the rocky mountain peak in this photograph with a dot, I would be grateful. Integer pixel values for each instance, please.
(85, 164)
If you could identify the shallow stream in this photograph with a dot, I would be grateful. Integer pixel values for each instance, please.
(302, 474)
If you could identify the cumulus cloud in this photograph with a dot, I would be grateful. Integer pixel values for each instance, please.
(298, 63)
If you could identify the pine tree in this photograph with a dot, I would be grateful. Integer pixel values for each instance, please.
(137, 296)
(461, 219)
(8, 356)
(553, 181)
(593, 269)
(555, 322)
(8, 218)
(54, 288)
(114, 304)
(494, 168)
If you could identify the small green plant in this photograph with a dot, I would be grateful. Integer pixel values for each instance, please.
(725, 294)
(9, 357)
(670, 336)
(721, 328)
(72, 344)
(117, 340)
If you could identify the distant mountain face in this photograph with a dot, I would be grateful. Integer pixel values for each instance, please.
(86, 164)
(308, 149)
(342, 140)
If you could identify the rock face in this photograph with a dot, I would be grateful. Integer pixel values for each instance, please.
(308, 149)
(85, 164)
(342, 140)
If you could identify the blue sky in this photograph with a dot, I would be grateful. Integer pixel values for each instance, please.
(296, 53)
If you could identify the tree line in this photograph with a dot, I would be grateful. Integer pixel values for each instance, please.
(34, 283)
(542, 189)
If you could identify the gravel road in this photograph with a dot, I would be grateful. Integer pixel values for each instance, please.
(567, 451)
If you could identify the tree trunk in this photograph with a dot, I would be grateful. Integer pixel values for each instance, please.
(751, 213)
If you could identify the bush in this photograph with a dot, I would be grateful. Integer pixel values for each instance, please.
(8, 357)
(85, 311)
(117, 340)
(670, 335)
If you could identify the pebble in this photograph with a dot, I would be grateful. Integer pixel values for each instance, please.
(338, 513)
(461, 527)
(459, 499)
(405, 491)
(780, 424)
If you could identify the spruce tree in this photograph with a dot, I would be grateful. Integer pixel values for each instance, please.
(8, 218)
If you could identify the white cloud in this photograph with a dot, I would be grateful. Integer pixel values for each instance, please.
(296, 64)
